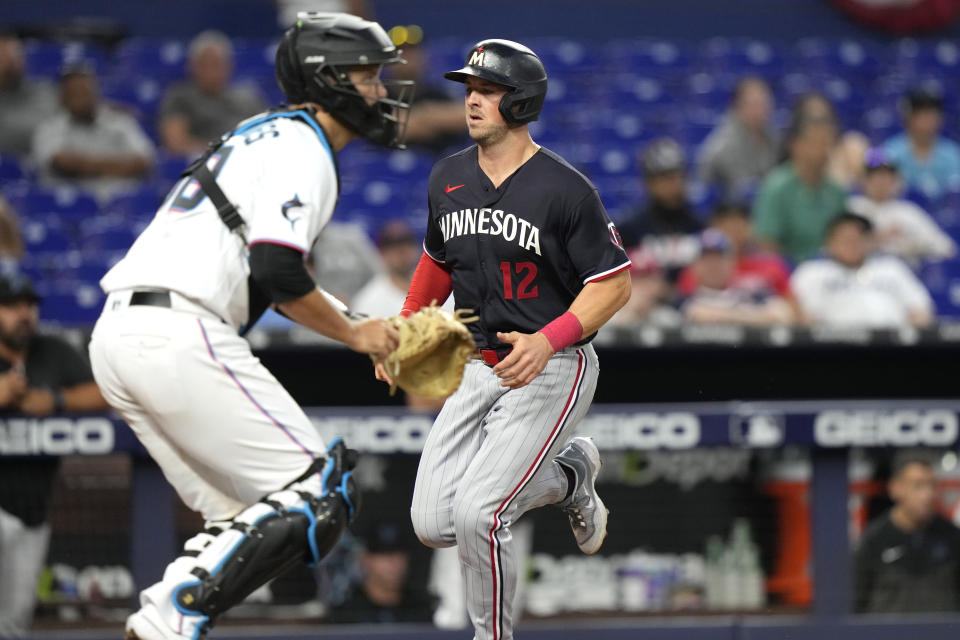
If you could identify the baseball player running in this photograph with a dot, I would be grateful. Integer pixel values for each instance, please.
(229, 239)
(521, 238)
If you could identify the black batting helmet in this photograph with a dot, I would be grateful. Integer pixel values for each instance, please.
(514, 66)
(312, 63)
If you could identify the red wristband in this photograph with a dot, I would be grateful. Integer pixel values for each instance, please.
(563, 331)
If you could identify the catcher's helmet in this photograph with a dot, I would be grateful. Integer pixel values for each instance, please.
(514, 66)
(312, 63)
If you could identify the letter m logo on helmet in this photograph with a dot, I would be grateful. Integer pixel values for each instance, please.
(476, 59)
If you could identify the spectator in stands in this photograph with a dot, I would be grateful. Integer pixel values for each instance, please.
(797, 200)
(845, 166)
(11, 242)
(205, 106)
(928, 162)
(383, 296)
(90, 145)
(666, 226)
(24, 103)
(650, 293)
(42, 375)
(727, 297)
(344, 259)
(851, 288)
(384, 594)
(733, 219)
(908, 559)
(437, 121)
(739, 152)
(901, 227)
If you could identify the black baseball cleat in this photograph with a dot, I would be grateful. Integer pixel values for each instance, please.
(584, 508)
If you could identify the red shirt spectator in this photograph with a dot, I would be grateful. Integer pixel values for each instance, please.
(751, 263)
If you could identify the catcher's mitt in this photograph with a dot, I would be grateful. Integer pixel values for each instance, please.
(433, 350)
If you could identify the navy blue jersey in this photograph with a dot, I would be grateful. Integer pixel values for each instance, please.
(521, 253)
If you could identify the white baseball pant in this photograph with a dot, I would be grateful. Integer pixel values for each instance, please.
(216, 421)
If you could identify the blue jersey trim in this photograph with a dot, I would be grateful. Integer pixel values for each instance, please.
(298, 114)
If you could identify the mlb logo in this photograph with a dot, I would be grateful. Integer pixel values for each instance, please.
(757, 430)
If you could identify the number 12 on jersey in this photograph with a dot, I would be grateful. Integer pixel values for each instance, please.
(527, 272)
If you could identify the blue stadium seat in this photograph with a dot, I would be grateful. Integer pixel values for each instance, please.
(77, 307)
(161, 59)
(755, 57)
(65, 201)
(563, 56)
(710, 90)
(660, 58)
(142, 203)
(142, 93)
(10, 169)
(945, 57)
(43, 237)
(253, 58)
(445, 54)
(855, 58)
(48, 59)
(630, 90)
(879, 123)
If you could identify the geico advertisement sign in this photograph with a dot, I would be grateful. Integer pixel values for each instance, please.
(407, 434)
(55, 436)
(678, 430)
(376, 434)
(935, 427)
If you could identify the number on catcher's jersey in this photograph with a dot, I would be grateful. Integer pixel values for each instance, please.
(189, 194)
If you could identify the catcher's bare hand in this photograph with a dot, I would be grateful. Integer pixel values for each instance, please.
(375, 337)
(380, 371)
(530, 354)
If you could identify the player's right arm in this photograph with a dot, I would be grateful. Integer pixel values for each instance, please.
(281, 273)
(373, 336)
(431, 279)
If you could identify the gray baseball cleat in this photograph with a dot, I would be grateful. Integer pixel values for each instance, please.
(587, 513)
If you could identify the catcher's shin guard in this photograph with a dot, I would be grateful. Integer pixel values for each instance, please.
(282, 530)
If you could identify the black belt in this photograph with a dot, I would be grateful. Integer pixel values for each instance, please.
(150, 299)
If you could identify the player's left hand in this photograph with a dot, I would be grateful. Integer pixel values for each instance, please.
(530, 354)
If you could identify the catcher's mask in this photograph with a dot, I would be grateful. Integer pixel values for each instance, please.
(312, 65)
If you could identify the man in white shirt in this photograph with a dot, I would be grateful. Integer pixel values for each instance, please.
(90, 145)
(167, 351)
(901, 227)
(852, 288)
(400, 252)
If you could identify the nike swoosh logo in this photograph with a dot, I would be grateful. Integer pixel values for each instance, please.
(449, 188)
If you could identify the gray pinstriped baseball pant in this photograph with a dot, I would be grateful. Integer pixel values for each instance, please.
(488, 459)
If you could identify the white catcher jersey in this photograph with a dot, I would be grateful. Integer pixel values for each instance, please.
(280, 172)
